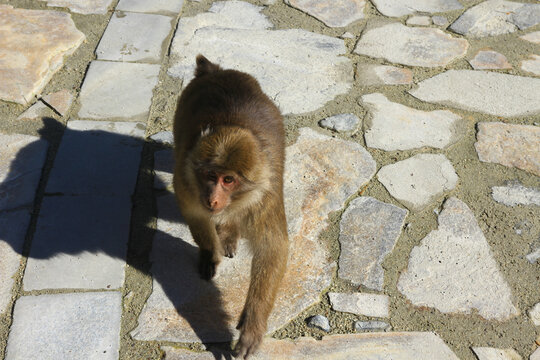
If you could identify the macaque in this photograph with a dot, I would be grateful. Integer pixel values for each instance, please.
(228, 180)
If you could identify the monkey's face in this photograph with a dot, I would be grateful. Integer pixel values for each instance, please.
(218, 188)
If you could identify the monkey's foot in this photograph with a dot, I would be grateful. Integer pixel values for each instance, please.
(250, 338)
(230, 249)
(207, 265)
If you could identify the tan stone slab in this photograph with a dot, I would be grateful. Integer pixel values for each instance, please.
(489, 59)
(60, 101)
(82, 6)
(509, 145)
(368, 346)
(33, 44)
(334, 13)
(532, 64)
(533, 37)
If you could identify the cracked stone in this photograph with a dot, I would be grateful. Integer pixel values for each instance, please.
(413, 46)
(341, 122)
(398, 8)
(369, 230)
(33, 45)
(335, 13)
(82, 6)
(369, 74)
(532, 64)
(516, 194)
(489, 59)
(392, 126)
(488, 353)
(441, 275)
(60, 101)
(302, 70)
(509, 145)
(361, 303)
(483, 91)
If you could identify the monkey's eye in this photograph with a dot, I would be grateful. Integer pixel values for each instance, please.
(228, 179)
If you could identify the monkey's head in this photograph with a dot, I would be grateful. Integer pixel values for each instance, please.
(228, 165)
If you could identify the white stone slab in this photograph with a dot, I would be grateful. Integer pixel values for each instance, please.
(442, 275)
(370, 74)
(483, 91)
(419, 180)
(66, 326)
(439, 20)
(419, 20)
(97, 158)
(534, 313)
(532, 64)
(134, 37)
(80, 242)
(516, 194)
(392, 126)
(369, 346)
(496, 17)
(154, 6)
(399, 8)
(415, 46)
(21, 161)
(13, 227)
(509, 145)
(535, 355)
(300, 70)
(82, 6)
(118, 90)
(361, 303)
(489, 59)
(488, 353)
(335, 13)
(340, 122)
(369, 230)
(533, 37)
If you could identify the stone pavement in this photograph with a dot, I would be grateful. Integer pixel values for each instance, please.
(412, 178)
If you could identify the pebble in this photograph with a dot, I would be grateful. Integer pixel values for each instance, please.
(371, 326)
(319, 322)
(375, 305)
(335, 13)
(488, 60)
(340, 122)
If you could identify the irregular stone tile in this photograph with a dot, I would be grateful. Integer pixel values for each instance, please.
(369, 230)
(163, 137)
(419, 20)
(163, 165)
(13, 227)
(80, 242)
(483, 91)
(97, 158)
(509, 145)
(319, 322)
(534, 313)
(134, 37)
(369, 74)
(400, 44)
(155, 6)
(516, 194)
(36, 112)
(302, 70)
(66, 326)
(440, 274)
(360, 304)
(419, 180)
(399, 8)
(392, 126)
(533, 37)
(439, 20)
(336, 13)
(532, 65)
(178, 308)
(488, 353)
(489, 59)
(373, 325)
(82, 6)
(21, 160)
(535, 355)
(341, 122)
(33, 46)
(496, 17)
(60, 101)
(118, 90)
(347, 35)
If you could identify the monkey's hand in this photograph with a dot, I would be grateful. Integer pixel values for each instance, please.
(207, 264)
(250, 339)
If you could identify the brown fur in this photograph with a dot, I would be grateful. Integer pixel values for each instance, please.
(226, 125)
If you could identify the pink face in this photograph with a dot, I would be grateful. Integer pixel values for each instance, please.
(219, 188)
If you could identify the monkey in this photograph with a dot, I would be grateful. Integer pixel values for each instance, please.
(228, 179)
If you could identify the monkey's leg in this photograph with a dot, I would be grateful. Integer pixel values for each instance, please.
(229, 235)
(210, 251)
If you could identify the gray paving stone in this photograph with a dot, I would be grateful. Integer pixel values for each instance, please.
(335, 13)
(370, 74)
(302, 70)
(418, 181)
(496, 17)
(80, 242)
(163, 137)
(489, 59)
(82, 6)
(533, 37)
(483, 91)
(413, 46)
(369, 230)
(155, 6)
(163, 165)
(177, 310)
(534, 314)
(442, 276)
(380, 346)
(319, 322)
(13, 227)
(340, 122)
(516, 194)
(118, 90)
(66, 326)
(392, 126)
(97, 158)
(134, 37)
(509, 145)
(419, 20)
(361, 303)
(399, 8)
(36, 112)
(532, 64)
(21, 161)
(60, 101)
(34, 44)
(371, 326)
(439, 20)
(489, 353)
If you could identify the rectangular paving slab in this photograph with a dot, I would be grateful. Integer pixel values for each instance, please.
(66, 326)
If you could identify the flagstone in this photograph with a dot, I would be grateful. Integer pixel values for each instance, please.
(82, 6)
(335, 13)
(489, 59)
(340, 122)
(514, 194)
(533, 37)
(36, 112)
(60, 101)
(399, 8)
(489, 353)
(155, 6)
(376, 305)
(532, 64)
(370, 74)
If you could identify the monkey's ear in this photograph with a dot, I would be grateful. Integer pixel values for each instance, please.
(204, 66)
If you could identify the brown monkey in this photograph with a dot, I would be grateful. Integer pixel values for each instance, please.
(228, 179)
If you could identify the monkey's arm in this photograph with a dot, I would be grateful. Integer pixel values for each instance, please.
(210, 250)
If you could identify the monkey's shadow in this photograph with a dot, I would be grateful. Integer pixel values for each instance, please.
(97, 221)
